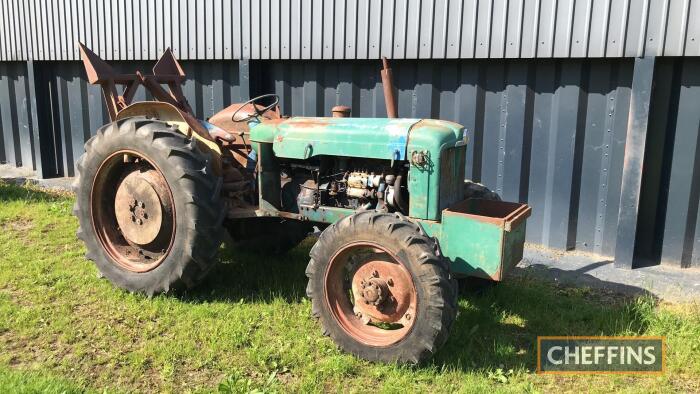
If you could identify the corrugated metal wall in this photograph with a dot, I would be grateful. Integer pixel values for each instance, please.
(348, 29)
(669, 224)
(16, 142)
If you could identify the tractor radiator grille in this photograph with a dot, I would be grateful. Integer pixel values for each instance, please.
(452, 176)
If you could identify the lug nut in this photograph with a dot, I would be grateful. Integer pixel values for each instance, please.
(358, 314)
(375, 274)
(140, 222)
(390, 282)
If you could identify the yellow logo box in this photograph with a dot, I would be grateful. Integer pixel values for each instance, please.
(594, 355)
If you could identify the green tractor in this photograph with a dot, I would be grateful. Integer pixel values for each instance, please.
(157, 188)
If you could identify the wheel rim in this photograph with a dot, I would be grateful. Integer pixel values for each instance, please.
(132, 211)
(371, 294)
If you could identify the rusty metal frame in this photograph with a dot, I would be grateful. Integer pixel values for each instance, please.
(166, 71)
(388, 85)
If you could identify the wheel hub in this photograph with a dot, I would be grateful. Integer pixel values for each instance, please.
(138, 208)
(374, 291)
(384, 291)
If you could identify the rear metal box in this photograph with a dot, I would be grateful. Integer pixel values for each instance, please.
(484, 238)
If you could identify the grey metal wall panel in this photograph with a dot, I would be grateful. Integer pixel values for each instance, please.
(295, 24)
(514, 30)
(616, 31)
(499, 22)
(387, 30)
(636, 28)
(454, 29)
(676, 32)
(483, 29)
(267, 29)
(564, 28)
(692, 42)
(4, 38)
(349, 29)
(581, 28)
(656, 27)
(528, 43)
(547, 27)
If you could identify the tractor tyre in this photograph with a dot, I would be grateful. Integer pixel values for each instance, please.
(267, 235)
(380, 289)
(149, 207)
(477, 190)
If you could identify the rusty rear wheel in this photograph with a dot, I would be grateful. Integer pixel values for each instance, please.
(149, 207)
(134, 221)
(380, 289)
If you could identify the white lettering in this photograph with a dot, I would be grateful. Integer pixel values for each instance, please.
(598, 353)
(550, 355)
(612, 353)
(568, 355)
(637, 355)
(586, 355)
(649, 353)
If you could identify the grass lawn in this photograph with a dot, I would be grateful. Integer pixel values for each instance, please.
(248, 327)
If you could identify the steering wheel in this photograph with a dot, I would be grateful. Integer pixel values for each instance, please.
(258, 112)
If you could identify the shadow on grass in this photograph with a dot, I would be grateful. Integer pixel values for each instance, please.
(253, 277)
(497, 325)
(16, 189)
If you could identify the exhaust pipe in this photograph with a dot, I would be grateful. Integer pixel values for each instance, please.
(388, 84)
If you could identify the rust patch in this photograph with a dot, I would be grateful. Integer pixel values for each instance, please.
(303, 122)
(224, 118)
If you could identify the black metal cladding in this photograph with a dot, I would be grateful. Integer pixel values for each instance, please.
(16, 144)
(550, 132)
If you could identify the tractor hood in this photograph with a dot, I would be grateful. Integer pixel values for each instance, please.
(377, 138)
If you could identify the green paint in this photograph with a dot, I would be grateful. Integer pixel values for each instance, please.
(430, 138)
(302, 138)
(324, 214)
(268, 177)
(475, 245)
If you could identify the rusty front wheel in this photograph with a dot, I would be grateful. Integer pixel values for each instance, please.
(379, 288)
(149, 207)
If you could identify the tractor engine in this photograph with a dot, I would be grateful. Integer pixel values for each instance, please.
(345, 183)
